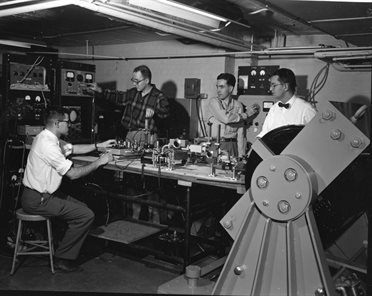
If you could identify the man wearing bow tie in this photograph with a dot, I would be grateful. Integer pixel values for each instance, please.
(289, 109)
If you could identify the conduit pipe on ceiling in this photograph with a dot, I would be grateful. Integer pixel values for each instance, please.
(216, 39)
(362, 67)
(359, 57)
(349, 19)
(334, 53)
(85, 32)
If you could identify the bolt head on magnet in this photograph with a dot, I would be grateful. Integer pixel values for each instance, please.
(284, 207)
(290, 175)
(262, 182)
(356, 142)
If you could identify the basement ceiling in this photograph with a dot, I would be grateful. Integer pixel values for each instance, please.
(254, 22)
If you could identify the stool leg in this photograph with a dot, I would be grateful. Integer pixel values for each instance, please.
(50, 242)
(19, 233)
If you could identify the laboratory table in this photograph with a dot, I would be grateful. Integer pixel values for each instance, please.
(184, 175)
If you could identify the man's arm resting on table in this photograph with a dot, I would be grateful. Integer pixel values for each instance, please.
(77, 172)
(86, 148)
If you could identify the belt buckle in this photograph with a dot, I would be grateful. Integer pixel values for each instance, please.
(43, 198)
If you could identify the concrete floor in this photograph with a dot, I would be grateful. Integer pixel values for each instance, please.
(105, 270)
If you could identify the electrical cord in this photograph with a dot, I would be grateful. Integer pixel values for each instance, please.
(21, 172)
(123, 167)
(18, 181)
(37, 62)
(45, 101)
(201, 113)
(202, 127)
(317, 86)
(106, 199)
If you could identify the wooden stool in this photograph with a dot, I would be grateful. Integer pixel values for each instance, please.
(32, 244)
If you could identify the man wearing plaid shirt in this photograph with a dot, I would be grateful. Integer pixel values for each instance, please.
(144, 105)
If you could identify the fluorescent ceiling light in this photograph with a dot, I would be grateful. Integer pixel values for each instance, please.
(15, 43)
(23, 6)
(181, 11)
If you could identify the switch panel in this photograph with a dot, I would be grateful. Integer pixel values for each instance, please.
(254, 80)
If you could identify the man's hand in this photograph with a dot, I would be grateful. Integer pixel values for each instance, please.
(93, 87)
(252, 110)
(105, 158)
(107, 144)
(149, 113)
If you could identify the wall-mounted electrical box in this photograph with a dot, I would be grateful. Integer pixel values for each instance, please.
(254, 80)
(192, 88)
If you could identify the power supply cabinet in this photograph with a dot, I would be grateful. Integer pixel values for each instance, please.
(28, 88)
(72, 81)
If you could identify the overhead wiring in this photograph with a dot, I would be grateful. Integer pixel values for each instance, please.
(37, 62)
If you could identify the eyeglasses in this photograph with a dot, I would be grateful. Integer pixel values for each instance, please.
(137, 81)
(274, 85)
(68, 122)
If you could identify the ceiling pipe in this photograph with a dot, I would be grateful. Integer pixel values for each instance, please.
(362, 57)
(333, 53)
(365, 67)
(86, 32)
(354, 34)
(213, 39)
(349, 19)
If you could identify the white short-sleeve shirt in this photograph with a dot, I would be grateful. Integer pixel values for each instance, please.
(46, 163)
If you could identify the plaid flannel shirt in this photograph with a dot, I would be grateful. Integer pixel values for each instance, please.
(135, 109)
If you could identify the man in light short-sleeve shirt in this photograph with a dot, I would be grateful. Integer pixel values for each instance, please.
(47, 163)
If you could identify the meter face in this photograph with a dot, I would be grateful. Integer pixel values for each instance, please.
(70, 74)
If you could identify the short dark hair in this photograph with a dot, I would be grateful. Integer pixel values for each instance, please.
(145, 71)
(53, 113)
(286, 76)
(230, 79)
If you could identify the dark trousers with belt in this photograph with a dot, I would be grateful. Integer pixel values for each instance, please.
(230, 146)
(78, 216)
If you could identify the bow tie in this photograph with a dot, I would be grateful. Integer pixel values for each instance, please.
(284, 105)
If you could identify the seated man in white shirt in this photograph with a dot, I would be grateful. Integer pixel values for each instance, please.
(289, 109)
(47, 163)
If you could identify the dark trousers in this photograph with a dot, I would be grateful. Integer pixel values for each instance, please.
(76, 214)
(231, 148)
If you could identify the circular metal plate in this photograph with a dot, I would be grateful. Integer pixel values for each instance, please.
(282, 187)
